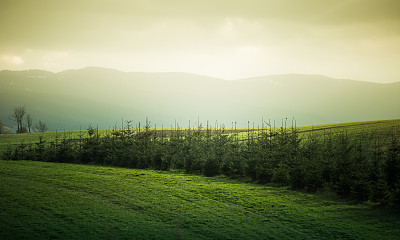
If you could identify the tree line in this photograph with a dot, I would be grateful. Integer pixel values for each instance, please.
(24, 122)
(363, 168)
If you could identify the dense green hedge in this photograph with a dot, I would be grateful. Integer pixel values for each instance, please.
(355, 168)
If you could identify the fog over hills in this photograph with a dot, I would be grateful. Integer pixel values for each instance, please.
(73, 99)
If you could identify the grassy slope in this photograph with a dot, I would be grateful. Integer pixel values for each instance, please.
(51, 200)
(28, 138)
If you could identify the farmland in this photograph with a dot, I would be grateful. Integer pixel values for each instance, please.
(346, 176)
(357, 160)
(136, 119)
(41, 200)
(369, 129)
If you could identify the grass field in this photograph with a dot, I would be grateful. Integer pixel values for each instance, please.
(356, 129)
(40, 200)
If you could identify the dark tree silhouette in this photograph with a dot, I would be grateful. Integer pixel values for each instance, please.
(41, 127)
(18, 116)
(29, 122)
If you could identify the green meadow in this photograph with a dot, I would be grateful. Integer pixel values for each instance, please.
(104, 184)
(41, 200)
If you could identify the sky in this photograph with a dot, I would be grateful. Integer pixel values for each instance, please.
(229, 39)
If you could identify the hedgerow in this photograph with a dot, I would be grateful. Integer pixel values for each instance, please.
(358, 167)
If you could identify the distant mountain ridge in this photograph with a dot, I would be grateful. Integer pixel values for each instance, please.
(72, 99)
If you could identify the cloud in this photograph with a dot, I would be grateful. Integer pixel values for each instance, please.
(53, 55)
(51, 59)
(30, 58)
(13, 60)
(231, 38)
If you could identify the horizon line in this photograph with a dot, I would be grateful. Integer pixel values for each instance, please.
(198, 74)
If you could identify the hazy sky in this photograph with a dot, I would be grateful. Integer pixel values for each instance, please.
(354, 39)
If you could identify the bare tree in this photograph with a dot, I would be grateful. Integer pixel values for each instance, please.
(41, 127)
(29, 121)
(18, 116)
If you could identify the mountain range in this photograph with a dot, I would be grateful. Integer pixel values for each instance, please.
(102, 97)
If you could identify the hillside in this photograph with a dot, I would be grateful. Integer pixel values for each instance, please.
(75, 98)
(69, 201)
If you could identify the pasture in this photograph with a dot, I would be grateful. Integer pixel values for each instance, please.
(41, 200)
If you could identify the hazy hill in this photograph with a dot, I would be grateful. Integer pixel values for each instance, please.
(75, 98)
